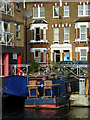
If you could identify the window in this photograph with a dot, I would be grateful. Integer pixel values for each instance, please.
(0, 26)
(18, 31)
(44, 56)
(80, 10)
(37, 56)
(66, 11)
(17, 5)
(87, 9)
(84, 10)
(14, 56)
(56, 34)
(6, 27)
(39, 11)
(44, 34)
(56, 11)
(35, 11)
(37, 34)
(83, 31)
(66, 34)
(83, 54)
(42, 12)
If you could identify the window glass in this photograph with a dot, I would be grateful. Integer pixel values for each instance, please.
(42, 12)
(80, 9)
(87, 9)
(18, 31)
(35, 11)
(83, 54)
(66, 10)
(56, 34)
(83, 32)
(66, 33)
(56, 10)
(44, 33)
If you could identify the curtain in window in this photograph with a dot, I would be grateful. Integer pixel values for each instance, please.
(56, 10)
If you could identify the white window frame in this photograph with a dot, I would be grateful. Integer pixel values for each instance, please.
(67, 34)
(80, 10)
(83, 10)
(87, 10)
(56, 35)
(66, 11)
(83, 56)
(38, 16)
(53, 12)
(44, 34)
(83, 32)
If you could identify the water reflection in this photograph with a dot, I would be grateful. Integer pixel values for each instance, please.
(73, 112)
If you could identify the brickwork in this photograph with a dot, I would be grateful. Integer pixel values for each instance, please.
(73, 15)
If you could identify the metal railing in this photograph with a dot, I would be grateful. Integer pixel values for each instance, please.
(6, 38)
(6, 7)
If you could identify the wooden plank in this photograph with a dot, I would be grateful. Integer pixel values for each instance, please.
(42, 85)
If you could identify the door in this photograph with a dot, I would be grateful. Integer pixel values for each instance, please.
(66, 56)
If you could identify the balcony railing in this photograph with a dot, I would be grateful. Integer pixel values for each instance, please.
(6, 8)
(6, 38)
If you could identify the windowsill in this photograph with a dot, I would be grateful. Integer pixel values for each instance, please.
(78, 40)
(66, 16)
(83, 15)
(38, 17)
(18, 10)
(39, 41)
(18, 38)
(55, 16)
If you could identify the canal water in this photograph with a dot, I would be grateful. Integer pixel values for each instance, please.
(19, 112)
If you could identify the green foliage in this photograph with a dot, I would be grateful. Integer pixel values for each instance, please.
(34, 67)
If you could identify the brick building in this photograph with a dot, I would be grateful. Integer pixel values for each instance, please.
(11, 35)
(59, 28)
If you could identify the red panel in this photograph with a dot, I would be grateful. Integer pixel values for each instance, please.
(41, 57)
(6, 64)
(45, 106)
(18, 63)
(78, 32)
(41, 34)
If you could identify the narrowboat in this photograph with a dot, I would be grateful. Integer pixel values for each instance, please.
(41, 91)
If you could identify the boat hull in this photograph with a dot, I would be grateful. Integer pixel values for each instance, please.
(47, 103)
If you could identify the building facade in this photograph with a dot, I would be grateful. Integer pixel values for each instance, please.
(11, 35)
(59, 30)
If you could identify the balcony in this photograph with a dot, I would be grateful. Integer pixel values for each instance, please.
(6, 38)
(6, 8)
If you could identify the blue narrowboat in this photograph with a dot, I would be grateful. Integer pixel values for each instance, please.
(41, 92)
